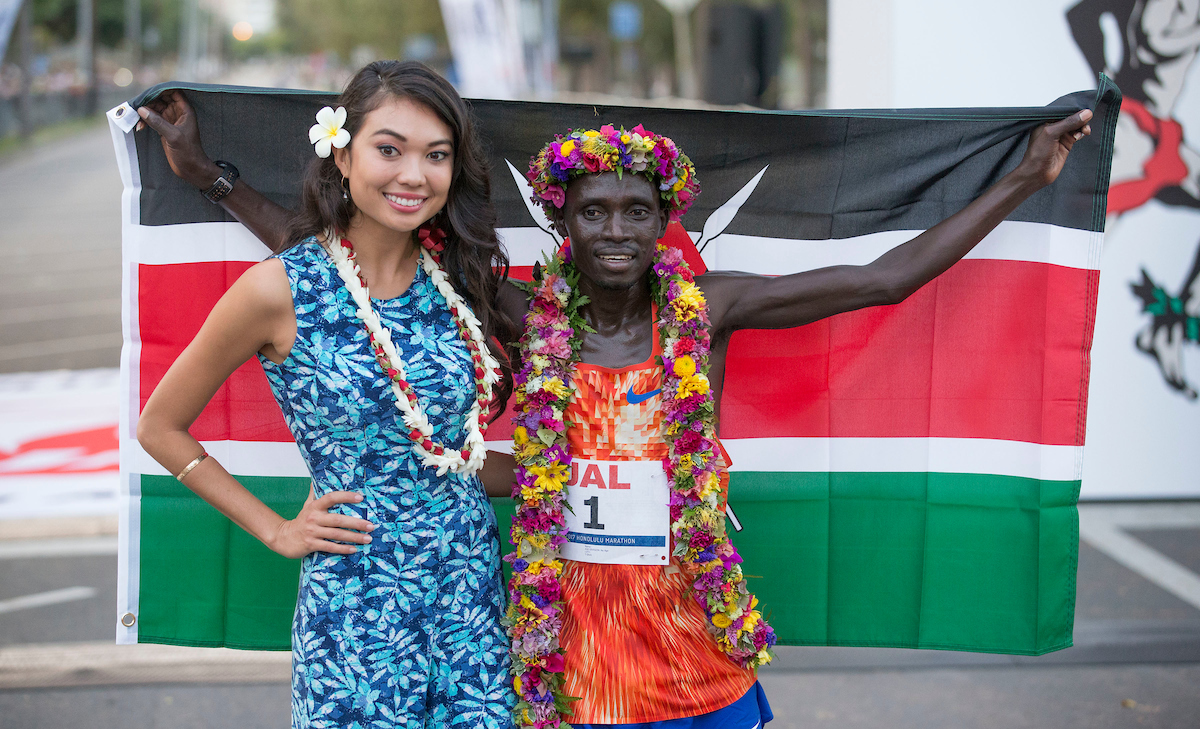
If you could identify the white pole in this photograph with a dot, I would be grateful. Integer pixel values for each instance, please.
(681, 25)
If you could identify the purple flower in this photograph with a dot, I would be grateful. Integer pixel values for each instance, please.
(520, 565)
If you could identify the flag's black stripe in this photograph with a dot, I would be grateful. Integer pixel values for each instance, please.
(833, 174)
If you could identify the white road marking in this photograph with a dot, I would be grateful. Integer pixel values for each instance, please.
(66, 547)
(1161, 515)
(42, 599)
(1102, 529)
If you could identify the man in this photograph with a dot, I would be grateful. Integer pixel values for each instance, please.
(637, 648)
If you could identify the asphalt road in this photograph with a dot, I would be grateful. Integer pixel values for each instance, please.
(60, 303)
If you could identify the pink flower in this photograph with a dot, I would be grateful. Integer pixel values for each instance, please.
(556, 195)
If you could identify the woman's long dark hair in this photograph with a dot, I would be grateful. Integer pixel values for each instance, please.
(473, 258)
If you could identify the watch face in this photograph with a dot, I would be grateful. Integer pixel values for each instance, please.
(219, 189)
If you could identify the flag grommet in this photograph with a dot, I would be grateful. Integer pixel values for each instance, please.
(128, 619)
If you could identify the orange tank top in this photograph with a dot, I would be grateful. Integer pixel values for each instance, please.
(636, 645)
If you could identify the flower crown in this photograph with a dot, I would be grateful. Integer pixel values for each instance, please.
(591, 151)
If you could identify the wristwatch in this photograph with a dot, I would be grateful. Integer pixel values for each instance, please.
(224, 183)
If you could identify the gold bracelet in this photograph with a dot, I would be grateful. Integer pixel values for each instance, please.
(188, 468)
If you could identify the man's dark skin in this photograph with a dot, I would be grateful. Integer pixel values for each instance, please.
(607, 217)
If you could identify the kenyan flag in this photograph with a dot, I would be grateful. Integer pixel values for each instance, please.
(902, 476)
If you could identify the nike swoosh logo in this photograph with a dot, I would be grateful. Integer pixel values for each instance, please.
(634, 398)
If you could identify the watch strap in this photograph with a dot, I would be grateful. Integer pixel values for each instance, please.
(224, 184)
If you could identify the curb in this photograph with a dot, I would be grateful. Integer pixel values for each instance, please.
(56, 665)
(72, 526)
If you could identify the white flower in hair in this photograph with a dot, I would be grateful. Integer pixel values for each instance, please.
(328, 132)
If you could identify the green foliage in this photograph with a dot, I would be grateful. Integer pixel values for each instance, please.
(344, 25)
(57, 18)
(54, 21)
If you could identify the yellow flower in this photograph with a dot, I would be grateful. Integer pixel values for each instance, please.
(689, 301)
(673, 428)
(556, 386)
(520, 435)
(530, 450)
(533, 569)
(592, 133)
(685, 366)
(686, 461)
(678, 184)
(625, 139)
(751, 620)
(567, 147)
(517, 685)
(550, 477)
(721, 620)
(763, 657)
(753, 602)
(526, 602)
(692, 383)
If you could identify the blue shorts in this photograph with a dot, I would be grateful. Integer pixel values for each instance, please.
(749, 712)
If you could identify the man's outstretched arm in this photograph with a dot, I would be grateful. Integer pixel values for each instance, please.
(175, 121)
(747, 301)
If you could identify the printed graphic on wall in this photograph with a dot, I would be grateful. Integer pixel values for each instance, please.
(1148, 48)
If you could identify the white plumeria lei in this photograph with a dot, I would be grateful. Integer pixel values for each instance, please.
(470, 459)
(328, 131)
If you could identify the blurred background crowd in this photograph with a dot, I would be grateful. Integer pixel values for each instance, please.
(68, 58)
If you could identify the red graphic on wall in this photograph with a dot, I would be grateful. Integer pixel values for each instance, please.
(80, 452)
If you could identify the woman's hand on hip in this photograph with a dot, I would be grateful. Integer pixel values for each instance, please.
(316, 530)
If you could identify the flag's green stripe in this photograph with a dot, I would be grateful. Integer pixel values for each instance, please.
(915, 560)
(205, 581)
(912, 560)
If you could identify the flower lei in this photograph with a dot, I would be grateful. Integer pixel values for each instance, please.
(585, 152)
(470, 458)
(550, 347)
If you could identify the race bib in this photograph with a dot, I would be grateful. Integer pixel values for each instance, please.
(621, 513)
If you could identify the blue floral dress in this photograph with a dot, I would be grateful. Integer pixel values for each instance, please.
(406, 632)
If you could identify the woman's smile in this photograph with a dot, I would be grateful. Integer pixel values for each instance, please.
(405, 202)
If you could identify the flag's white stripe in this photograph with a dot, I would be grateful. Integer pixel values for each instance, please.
(871, 455)
(1010, 241)
(898, 455)
(239, 457)
(907, 455)
(194, 243)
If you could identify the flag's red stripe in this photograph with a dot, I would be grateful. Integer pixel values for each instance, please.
(992, 349)
(173, 302)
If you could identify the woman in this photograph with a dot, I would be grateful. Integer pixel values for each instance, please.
(385, 372)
